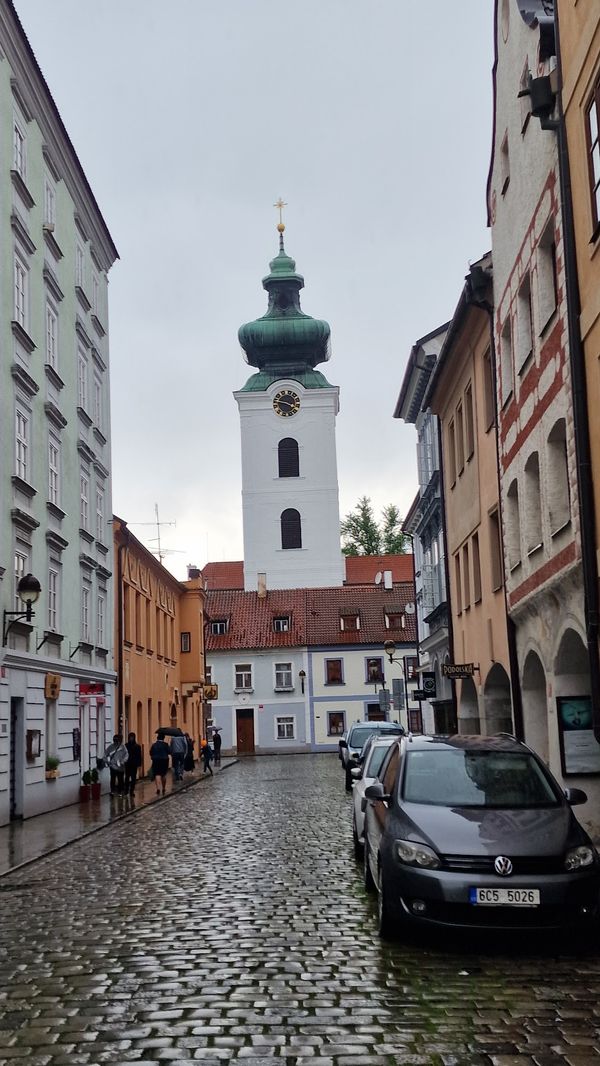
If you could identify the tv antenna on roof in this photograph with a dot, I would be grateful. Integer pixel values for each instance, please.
(160, 551)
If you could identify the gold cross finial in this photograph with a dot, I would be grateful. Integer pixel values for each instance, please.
(280, 206)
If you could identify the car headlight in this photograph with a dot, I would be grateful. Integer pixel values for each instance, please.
(417, 855)
(584, 855)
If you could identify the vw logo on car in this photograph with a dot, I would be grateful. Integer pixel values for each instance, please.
(503, 866)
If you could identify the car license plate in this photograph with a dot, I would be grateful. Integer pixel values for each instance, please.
(505, 897)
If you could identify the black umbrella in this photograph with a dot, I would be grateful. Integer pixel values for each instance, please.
(170, 731)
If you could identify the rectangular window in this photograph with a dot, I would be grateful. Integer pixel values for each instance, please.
(469, 421)
(97, 401)
(53, 470)
(466, 578)
(21, 444)
(51, 337)
(19, 150)
(374, 671)
(85, 614)
(336, 723)
(547, 277)
(281, 624)
(349, 622)
(149, 644)
(219, 627)
(186, 642)
(20, 293)
(52, 599)
(95, 294)
(82, 380)
(460, 439)
(334, 674)
(84, 501)
(506, 360)
(21, 568)
(458, 583)
(100, 515)
(49, 203)
(488, 391)
(283, 675)
(476, 569)
(504, 166)
(393, 620)
(593, 146)
(286, 728)
(208, 674)
(452, 453)
(496, 551)
(101, 615)
(79, 268)
(525, 322)
(243, 676)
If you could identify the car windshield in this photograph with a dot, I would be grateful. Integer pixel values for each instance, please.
(455, 777)
(358, 736)
(376, 757)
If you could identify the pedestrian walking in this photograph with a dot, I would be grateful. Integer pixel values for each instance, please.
(159, 753)
(115, 757)
(207, 756)
(217, 747)
(188, 763)
(178, 753)
(133, 763)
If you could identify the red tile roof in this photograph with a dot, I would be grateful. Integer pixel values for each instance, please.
(360, 570)
(314, 613)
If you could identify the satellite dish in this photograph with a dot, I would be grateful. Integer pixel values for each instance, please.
(378, 577)
(409, 608)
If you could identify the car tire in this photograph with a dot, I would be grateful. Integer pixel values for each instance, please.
(348, 780)
(387, 923)
(367, 875)
(358, 848)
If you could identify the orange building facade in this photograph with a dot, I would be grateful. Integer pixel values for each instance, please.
(159, 645)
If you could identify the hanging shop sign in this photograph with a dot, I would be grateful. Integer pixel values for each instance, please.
(52, 686)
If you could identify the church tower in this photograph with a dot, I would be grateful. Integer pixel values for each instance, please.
(289, 468)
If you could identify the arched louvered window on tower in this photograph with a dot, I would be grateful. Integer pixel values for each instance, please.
(289, 461)
(291, 529)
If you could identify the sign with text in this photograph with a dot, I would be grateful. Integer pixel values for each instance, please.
(52, 686)
(458, 671)
(418, 694)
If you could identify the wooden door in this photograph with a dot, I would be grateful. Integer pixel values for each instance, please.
(245, 730)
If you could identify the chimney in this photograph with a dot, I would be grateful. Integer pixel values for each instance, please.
(261, 586)
(193, 571)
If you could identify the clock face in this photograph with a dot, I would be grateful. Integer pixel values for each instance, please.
(286, 403)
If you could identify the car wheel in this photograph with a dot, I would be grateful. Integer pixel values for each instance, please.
(386, 919)
(348, 780)
(358, 848)
(367, 875)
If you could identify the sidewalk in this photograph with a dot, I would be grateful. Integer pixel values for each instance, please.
(22, 842)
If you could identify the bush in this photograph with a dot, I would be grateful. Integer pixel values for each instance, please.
(52, 762)
(87, 777)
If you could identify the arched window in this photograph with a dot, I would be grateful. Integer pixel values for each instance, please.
(291, 529)
(513, 526)
(289, 461)
(533, 515)
(558, 496)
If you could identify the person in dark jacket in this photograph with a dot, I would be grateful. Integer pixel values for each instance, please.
(217, 746)
(207, 755)
(159, 753)
(188, 763)
(133, 763)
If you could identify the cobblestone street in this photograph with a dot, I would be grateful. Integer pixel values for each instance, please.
(230, 922)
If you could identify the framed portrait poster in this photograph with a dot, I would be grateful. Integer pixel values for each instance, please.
(579, 749)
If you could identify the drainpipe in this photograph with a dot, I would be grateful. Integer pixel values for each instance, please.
(120, 628)
(447, 569)
(477, 282)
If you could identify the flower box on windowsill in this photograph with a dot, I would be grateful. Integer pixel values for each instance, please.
(51, 775)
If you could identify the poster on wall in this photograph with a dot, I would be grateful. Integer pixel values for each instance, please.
(579, 749)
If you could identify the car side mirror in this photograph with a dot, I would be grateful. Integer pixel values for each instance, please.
(376, 791)
(575, 796)
(343, 744)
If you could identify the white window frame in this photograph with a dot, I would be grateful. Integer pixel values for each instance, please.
(100, 513)
(98, 401)
(242, 677)
(79, 266)
(95, 294)
(219, 627)
(49, 203)
(284, 676)
(100, 617)
(21, 292)
(85, 613)
(53, 596)
(21, 567)
(281, 623)
(19, 148)
(22, 443)
(285, 727)
(51, 336)
(54, 464)
(84, 500)
(82, 379)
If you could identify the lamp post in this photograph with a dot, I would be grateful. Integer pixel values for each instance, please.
(389, 647)
(28, 590)
(302, 676)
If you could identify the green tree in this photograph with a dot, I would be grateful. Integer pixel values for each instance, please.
(362, 534)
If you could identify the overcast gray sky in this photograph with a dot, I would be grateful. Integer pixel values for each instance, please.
(372, 118)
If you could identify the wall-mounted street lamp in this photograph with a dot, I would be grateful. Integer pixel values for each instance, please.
(28, 590)
(389, 647)
(302, 676)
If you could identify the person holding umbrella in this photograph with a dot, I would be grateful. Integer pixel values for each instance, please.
(178, 754)
(159, 753)
(217, 744)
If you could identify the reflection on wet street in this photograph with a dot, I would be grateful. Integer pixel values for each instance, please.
(230, 923)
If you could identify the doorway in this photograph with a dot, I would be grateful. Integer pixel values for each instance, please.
(245, 730)
(17, 757)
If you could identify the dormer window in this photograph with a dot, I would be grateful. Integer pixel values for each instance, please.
(219, 627)
(349, 622)
(394, 620)
(281, 624)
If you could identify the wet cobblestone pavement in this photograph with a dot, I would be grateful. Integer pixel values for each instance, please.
(230, 923)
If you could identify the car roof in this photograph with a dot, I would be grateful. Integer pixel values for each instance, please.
(467, 742)
(375, 724)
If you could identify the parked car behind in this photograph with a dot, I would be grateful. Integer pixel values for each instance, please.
(374, 753)
(352, 746)
(474, 831)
